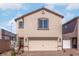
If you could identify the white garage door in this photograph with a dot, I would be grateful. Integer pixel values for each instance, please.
(40, 45)
(66, 44)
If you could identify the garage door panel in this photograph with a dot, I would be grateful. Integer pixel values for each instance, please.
(66, 44)
(50, 44)
(36, 45)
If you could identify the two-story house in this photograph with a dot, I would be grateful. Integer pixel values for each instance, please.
(71, 34)
(40, 30)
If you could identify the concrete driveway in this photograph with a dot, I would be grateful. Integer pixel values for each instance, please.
(67, 52)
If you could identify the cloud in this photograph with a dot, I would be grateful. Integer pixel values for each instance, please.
(12, 24)
(68, 16)
(11, 6)
(72, 6)
(3, 28)
(52, 7)
(49, 6)
(67, 11)
(68, 6)
(12, 21)
(61, 4)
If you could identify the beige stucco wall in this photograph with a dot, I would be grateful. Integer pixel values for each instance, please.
(31, 25)
(20, 32)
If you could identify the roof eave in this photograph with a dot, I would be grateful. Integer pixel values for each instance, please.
(38, 10)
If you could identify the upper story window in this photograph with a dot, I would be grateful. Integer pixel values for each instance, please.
(21, 24)
(43, 23)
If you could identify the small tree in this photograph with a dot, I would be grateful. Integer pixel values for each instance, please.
(13, 53)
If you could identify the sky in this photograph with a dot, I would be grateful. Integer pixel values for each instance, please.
(10, 11)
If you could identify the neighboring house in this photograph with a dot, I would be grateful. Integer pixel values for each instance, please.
(5, 39)
(71, 34)
(40, 30)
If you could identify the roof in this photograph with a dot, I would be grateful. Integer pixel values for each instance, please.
(69, 26)
(37, 11)
(71, 20)
(6, 32)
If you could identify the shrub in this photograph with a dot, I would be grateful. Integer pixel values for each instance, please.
(13, 53)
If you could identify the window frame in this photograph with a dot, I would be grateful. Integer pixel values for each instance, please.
(21, 25)
(43, 28)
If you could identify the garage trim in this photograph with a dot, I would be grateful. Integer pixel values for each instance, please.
(43, 38)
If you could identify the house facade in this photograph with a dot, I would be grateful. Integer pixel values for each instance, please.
(40, 30)
(5, 39)
(71, 34)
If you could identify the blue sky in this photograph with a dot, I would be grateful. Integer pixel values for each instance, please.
(9, 11)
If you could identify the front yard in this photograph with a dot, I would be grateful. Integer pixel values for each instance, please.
(68, 52)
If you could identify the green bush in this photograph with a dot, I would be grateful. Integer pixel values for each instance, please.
(13, 53)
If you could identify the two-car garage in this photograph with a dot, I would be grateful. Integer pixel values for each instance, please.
(46, 44)
(42, 44)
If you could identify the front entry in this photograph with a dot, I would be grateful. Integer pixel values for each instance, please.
(21, 43)
(74, 42)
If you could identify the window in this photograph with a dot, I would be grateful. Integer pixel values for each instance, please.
(59, 39)
(43, 23)
(21, 24)
(65, 26)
